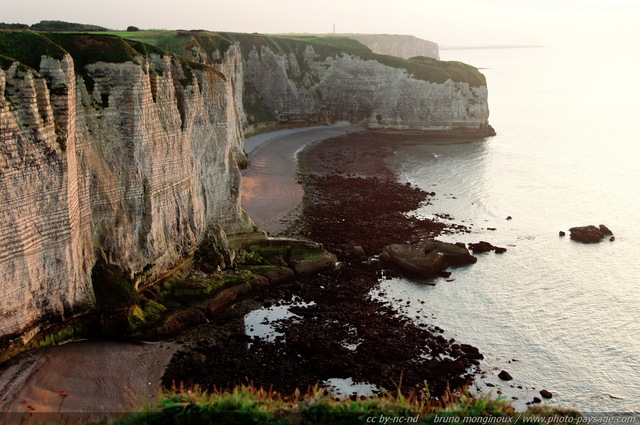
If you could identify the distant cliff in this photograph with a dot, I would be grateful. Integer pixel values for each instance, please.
(105, 152)
(404, 46)
(329, 78)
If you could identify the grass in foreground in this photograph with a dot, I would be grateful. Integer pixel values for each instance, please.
(248, 405)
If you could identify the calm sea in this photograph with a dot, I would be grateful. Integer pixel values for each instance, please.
(556, 314)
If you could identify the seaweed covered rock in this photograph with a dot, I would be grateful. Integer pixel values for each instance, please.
(213, 253)
(427, 259)
(121, 309)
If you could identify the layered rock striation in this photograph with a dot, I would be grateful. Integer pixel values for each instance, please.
(125, 155)
(118, 156)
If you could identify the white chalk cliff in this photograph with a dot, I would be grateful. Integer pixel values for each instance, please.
(135, 169)
(347, 87)
(132, 159)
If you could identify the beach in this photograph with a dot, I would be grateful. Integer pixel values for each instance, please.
(346, 197)
(327, 327)
(270, 189)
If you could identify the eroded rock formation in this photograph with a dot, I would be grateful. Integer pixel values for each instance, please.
(130, 161)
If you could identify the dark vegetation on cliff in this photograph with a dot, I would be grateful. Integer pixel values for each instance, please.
(423, 68)
(28, 47)
(206, 50)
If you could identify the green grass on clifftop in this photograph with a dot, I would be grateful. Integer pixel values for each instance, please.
(27, 47)
(184, 42)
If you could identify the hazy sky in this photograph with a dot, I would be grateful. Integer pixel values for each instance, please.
(453, 22)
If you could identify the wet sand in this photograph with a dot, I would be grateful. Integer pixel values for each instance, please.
(270, 189)
(111, 376)
(97, 376)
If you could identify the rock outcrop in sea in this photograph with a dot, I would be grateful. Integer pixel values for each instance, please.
(590, 234)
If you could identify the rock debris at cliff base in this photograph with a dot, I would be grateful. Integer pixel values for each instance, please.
(338, 331)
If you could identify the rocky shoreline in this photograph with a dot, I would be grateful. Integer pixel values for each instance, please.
(354, 206)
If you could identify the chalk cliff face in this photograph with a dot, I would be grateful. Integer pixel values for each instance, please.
(347, 87)
(130, 154)
(130, 161)
(330, 78)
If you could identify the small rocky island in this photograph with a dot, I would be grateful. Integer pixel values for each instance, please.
(590, 234)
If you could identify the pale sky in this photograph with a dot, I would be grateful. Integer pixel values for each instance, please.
(452, 22)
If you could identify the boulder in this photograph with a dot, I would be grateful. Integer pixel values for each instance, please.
(412, 259)
(480, 247)
(589, 234)
(505, 376)
(273, 273)
(427, 259)
(483, 246)
(311, 261)
(359, 252)
(546, 394)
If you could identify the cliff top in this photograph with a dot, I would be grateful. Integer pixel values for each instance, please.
(184, 43)
(27, 47)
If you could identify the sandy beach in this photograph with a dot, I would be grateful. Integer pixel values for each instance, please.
(348, 177)
(111, 376)
(270, 189)
(96, 376)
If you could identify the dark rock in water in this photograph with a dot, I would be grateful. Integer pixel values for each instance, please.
(427, 259)
(589, 234)
(412, 259)
(509, 218)
(505, 376)
(546, 394)
(444, 273)
(537, 400)
(469, 348)
(499, 250)
(474, 356)
(605, 230)
(489, 384)
(480, 247)
(612, 238)
(562, 233)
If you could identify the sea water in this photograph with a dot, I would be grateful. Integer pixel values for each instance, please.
(556, 314)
